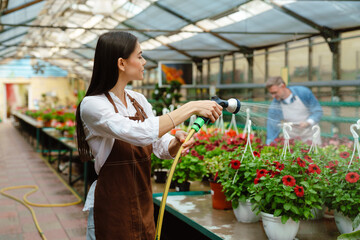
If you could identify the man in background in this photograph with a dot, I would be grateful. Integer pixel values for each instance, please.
(296, 105)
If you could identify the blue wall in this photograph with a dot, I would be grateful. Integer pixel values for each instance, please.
(23, 68)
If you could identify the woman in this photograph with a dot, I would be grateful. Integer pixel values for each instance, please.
(117, 128)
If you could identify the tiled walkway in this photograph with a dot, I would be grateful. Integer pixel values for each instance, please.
(21, 165)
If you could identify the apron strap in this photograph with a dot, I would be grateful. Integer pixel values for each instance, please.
(138, 107)
(112, 101)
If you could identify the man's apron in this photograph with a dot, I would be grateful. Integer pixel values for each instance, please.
(297, 112)
(123, 208)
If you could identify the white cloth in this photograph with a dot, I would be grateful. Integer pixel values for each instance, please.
(102, 126)
(296, 112)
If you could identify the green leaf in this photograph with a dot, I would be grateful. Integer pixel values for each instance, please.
(257, 198)
(343, 208)
(295, 209)
(305, 184)
(269, 196)
(350, 236)
(284, 219)
(277, 212)
(287, 206)
(356, 222)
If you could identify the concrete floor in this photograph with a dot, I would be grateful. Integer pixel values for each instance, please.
(22, 165)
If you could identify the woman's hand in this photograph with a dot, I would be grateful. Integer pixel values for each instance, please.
(208, 109)
(180, 136)
(176, 143)
(205, 108)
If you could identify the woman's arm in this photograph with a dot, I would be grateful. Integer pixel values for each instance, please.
(206, 108)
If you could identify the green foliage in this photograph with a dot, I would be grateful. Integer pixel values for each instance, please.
(350, 236)
(273, 194)
(189, 168)
(236, 182)
(157, 163)
(165, 96)
(343, 193)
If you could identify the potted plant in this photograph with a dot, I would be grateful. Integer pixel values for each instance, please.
(47, 116)
(189, 168)
(239, 175)
(159, 168)
(286, 191)
(343, 191)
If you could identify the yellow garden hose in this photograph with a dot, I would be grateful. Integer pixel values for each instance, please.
(28, 204)
(167, 186)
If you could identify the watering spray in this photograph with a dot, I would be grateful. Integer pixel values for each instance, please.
(233, 106)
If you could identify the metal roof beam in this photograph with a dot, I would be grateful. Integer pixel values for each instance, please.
(152, 30)
(8, 11)
(14, 37)
(165, 44)
(22, 24)
(326, 32)
(243, 49)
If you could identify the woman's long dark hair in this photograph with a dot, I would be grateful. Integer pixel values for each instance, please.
(110, 47)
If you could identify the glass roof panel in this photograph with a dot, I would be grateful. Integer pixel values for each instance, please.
(12, 33)
(269, 21)
(203, 41)
(333, 14)
(200, 9)
(22, 15)
(165, 55)
(155, 18)
(87, 53)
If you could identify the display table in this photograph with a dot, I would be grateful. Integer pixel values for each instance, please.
(195, 210)
(29, 127)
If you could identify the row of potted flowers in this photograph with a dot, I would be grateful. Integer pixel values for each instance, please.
(61, 119)
(294, 187)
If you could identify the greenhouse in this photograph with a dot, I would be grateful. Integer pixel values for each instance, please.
(169, 119)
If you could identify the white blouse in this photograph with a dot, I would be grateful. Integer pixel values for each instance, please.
(102, 125)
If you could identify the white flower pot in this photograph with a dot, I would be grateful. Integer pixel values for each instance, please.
(275, 230)
(344, 224)
(244, 214)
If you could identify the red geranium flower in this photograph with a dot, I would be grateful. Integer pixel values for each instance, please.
(307, 158)
(194, 153)
(260, 173)
(288, 180)
(344, 155)
(313, 168)
(301, 162)
(299, 191)
(235, 164)
(278, 165)
(256, 154)
(304, 150)
(256, 180)
(352, 177)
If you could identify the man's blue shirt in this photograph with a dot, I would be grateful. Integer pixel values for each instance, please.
(275, 114)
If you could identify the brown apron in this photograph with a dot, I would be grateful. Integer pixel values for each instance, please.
(123, 208)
